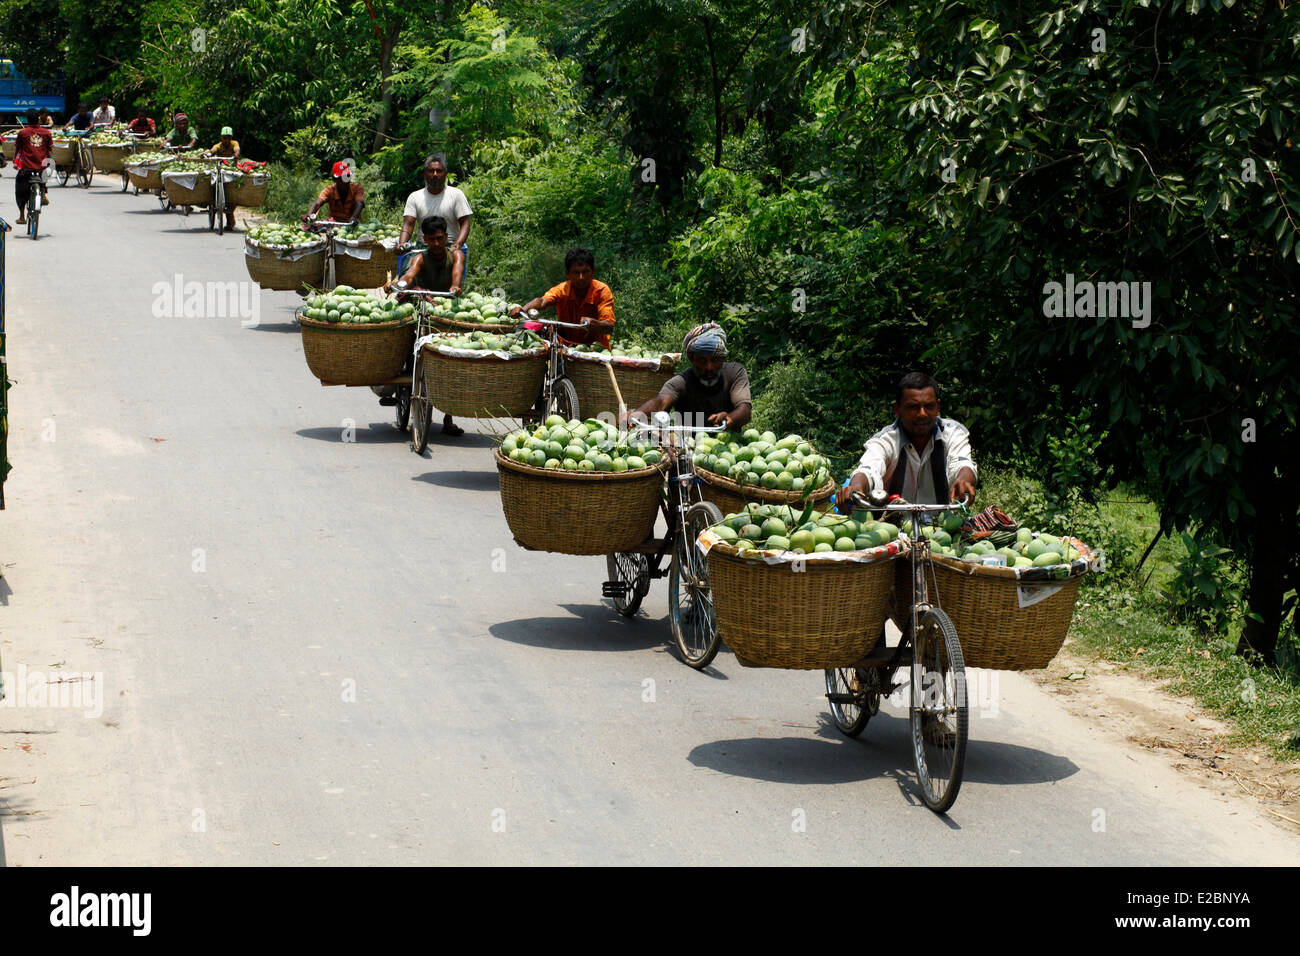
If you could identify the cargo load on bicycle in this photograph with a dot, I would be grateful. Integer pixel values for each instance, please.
(352, 337)
(484, 374)
(579, 487)
(473, 312)
(759, 467)
(640, 374)
(800, 589)
(365, 254)
(284, 258)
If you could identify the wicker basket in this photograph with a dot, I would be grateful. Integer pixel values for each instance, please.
(596, 394)
(181, 195)
(247, 191)
(145, 177)
(272, 270)
(10, 148)
(111, 157)
(64, 153)
(354, 353)
(579, 512)
(365, 273)
(451, 325)
(984, 604)
(487, 387)
(731, 497)
(808, 616)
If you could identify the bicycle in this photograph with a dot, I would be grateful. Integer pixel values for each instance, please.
(163, 199)
(217, 209)
(82, 166)
(36, 180)
(413, 400)
(686, 516)
(938, 707)
(559, 396)
(327, 226)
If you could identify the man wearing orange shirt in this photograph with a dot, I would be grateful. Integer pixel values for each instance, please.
(583, 299)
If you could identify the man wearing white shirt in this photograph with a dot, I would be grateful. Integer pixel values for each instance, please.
(438, 199)
(105, 115)
(921, 457)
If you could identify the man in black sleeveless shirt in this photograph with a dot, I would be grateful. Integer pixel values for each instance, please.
(712, 391)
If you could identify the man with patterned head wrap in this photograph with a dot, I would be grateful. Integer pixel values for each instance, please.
(712, 390)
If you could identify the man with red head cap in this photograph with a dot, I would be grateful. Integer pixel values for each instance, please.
(346, 199)
(182, 134)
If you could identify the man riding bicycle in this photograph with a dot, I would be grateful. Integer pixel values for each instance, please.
(32, 151)
(580, 300)
(182, 135)
(345, 198)
(712, 389)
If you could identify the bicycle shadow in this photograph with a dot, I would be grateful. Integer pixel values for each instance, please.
(461, 480)
(592, 627)
(885, 746)
(377, 433)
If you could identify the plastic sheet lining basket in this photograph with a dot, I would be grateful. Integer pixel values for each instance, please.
(486, 387)
(1004, 621)
(578, 512)
(804, 615)
(188, 189)
(363, 265)
(731, 497)
(355, 353)
(596, 393)
(287, 270)
(111, 157)
(249, 190)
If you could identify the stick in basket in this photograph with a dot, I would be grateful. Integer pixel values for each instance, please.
(622, 405)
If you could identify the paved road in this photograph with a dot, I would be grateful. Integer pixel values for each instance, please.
(314, 650)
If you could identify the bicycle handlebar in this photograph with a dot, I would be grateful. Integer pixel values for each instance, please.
(878, 505)
(567, 325)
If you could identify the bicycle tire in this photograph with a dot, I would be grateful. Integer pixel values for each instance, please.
(851, 718)
(421, 411)
(633, 570)
(564, 401)
(694, 625)
(938, 715)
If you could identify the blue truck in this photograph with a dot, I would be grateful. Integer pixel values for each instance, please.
(18, 93)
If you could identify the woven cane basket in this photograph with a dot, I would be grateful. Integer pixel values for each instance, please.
(984, 604)
(578, 512)
(365, 273)
(731, 497)
(487, 387)
(110, 158)
(245, 192)
(9, 147)
(180, 195)
(64, 152)
(596, 393)
(145, 177)
(811, 615)
(271, 271)
(356, 353)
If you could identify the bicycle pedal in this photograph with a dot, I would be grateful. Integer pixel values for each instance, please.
(614, 589)
(388, 400)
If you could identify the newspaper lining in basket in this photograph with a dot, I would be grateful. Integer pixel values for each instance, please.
(253, 249)
(433, 340)
(667, 361)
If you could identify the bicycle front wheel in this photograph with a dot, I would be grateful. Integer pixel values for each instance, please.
(421, 413)
(690, 599)
(564, 401)
(939, 716)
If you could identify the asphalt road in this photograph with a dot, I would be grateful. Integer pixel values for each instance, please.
(317, 650)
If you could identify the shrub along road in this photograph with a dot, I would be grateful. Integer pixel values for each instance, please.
(313, 649)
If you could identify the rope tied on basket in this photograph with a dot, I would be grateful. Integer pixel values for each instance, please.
(707, 339)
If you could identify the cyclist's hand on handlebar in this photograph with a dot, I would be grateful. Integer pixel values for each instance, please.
(721, 418)
(963, 491)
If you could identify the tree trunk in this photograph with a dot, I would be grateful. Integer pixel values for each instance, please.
(717, 95)
(1269, 554)
(387, 44)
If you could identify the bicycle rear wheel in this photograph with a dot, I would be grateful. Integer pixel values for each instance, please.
(939, 717)
(632, 571)
(854, 697)
(690, 599)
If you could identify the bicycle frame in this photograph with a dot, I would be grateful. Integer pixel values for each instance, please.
(683, 482)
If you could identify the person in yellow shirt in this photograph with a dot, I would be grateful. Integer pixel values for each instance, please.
(228, 147)
(582, 300)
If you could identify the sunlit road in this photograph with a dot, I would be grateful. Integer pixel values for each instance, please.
(318, 650)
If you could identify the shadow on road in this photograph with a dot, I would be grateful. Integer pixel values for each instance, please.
(5, 591)
(830, 757)
(274, 327)
(593, 627)
(461, 480)
(377, 433)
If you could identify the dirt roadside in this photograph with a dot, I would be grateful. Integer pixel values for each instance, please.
(1142, 712)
